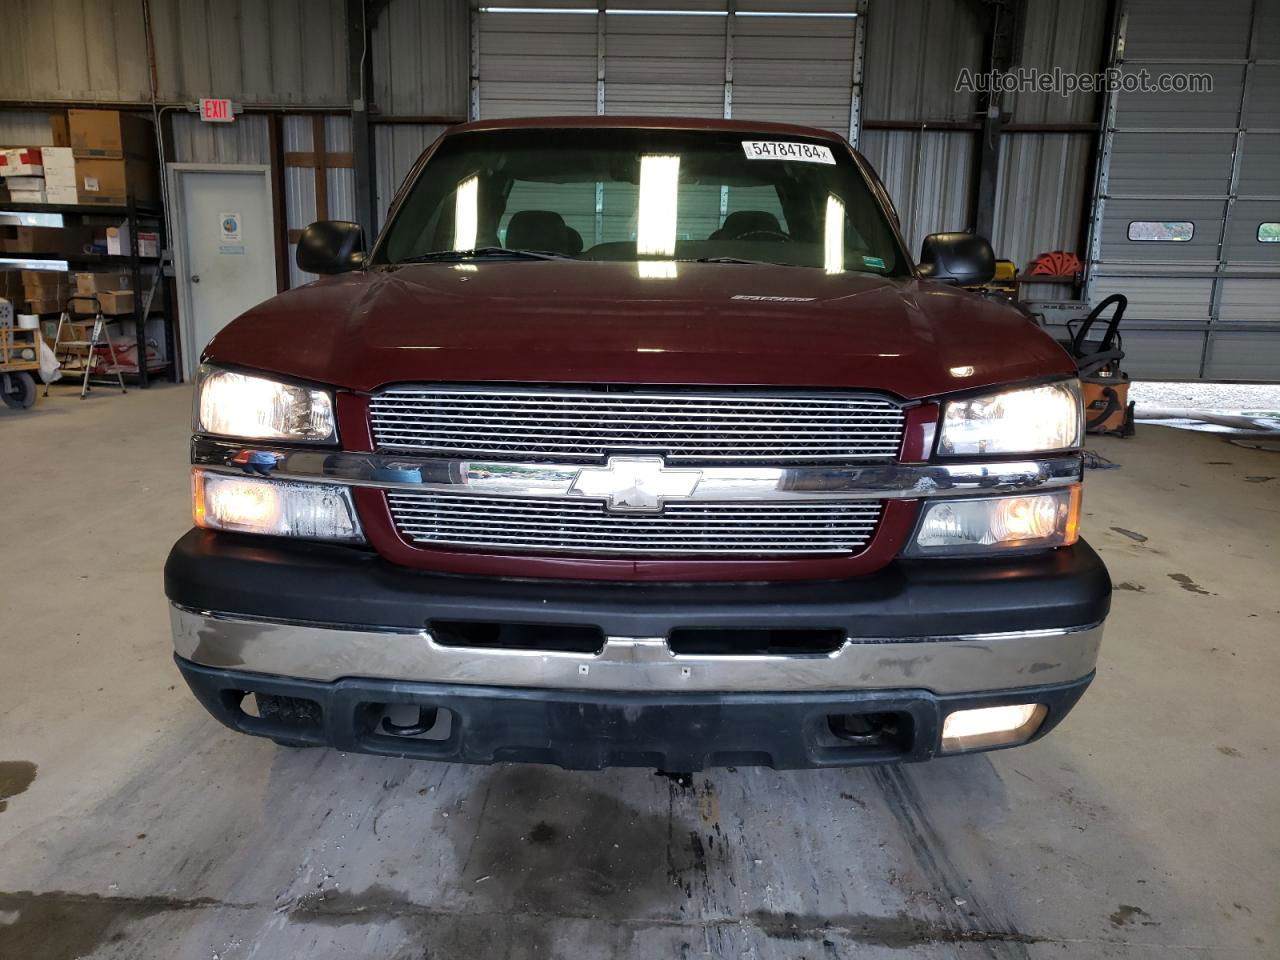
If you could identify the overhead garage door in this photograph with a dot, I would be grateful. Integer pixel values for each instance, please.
(756, 59)
(534, 64)
(1190, 201)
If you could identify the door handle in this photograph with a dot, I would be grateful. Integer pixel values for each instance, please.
(195, 278)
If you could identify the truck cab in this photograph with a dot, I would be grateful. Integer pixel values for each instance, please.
(638, 442)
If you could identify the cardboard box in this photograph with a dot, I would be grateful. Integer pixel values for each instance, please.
(58, 241)
(59, 167)
(62, 195)
(21, 162)
(58, 128)
(45, 278)
(84, 306)
(23, 184)
(116, 302)
(45, 305)
(28, 196)
(113, 182)
(118, 242)
(97, 282)
(110, 133)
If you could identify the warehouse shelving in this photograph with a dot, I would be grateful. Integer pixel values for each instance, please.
(138, 216)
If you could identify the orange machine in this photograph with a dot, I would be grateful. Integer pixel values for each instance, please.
(1107, 408)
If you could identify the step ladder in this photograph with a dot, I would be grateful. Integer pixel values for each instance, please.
(98, 339)
(101, 336)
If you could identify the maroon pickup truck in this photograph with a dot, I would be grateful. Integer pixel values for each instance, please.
(638, 442)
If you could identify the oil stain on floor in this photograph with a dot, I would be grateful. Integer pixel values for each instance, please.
(15, 777)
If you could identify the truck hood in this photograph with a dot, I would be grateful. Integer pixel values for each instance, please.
(592, 322)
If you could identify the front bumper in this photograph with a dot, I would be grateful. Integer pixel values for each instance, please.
(348, 632)
(590, 730)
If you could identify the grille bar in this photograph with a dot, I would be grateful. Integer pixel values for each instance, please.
(585, 426)
(572, 526)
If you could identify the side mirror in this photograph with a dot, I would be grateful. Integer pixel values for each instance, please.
(964, 259)
(331, 246)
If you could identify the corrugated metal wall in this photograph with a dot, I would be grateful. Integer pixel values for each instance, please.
(915, 51)
(25, 128)
(420, 58)
(396, 149)
(928, 174)
(256, 51)
(248, 140)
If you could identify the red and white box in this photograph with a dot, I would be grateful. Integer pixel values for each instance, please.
(21, 162)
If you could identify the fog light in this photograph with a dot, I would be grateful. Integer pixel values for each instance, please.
(991, 726)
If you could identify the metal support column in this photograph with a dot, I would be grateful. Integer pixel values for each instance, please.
(1003, 41)
(859, 62)
(360, 85)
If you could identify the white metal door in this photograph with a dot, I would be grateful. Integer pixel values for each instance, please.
(226, 253)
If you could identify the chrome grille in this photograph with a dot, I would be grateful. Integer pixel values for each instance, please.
(584, 526)
(584, 426)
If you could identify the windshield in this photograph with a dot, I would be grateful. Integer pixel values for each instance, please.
(646, 195)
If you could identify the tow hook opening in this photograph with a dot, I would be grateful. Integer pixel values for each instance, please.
(890, 732)
(408, 721)
(279, 717)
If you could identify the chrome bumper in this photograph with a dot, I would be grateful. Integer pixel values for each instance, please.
(714, 484)
(943, 665)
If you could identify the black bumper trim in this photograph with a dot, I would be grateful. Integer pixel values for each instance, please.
(590, 730)
(271, 578)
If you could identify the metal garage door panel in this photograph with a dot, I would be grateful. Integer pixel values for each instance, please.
(797, 69)
(664, 65)
(1241, 355)
(1263, 108)
(1187, 29)
(1215, 108)
(537, 64)
(1266, 30)
(1260, 165)
(1205, 215)
(1241, 242)
(1159, 298)
(1163, 353)
(1171, 164)
(1251, 300)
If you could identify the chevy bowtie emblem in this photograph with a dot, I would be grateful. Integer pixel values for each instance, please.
(635, 484)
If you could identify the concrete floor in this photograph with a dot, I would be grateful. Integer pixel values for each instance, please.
(135, 826)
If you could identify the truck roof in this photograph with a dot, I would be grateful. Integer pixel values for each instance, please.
(649, 123)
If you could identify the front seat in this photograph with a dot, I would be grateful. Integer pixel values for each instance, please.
(746, 221)
(543, 230)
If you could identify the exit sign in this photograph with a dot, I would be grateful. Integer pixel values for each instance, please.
(216, 111)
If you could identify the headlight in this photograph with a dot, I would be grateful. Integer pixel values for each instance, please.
(230, 404)
(315, 511)
(1027, 420)
(981, 527)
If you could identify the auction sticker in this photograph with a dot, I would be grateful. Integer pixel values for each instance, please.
(781, 150)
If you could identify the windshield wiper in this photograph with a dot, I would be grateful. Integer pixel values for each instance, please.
(443, 256)
(754, 263)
